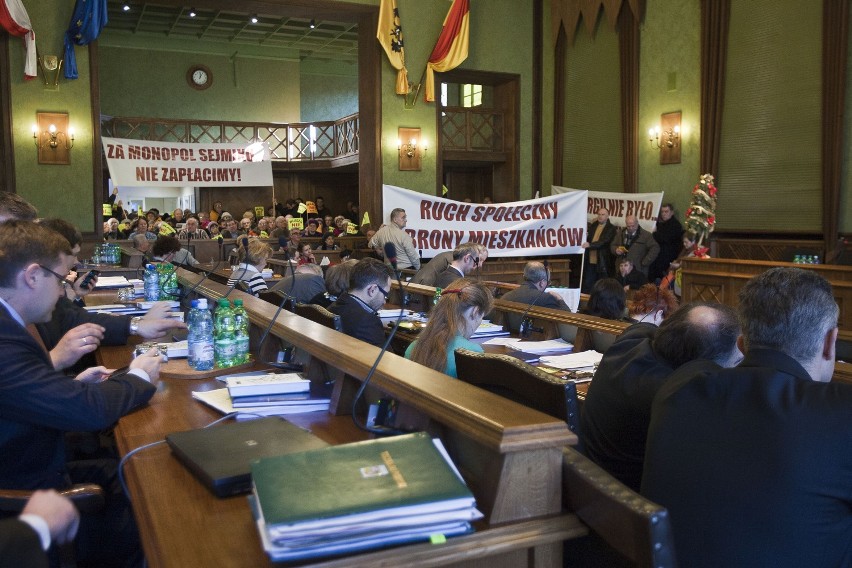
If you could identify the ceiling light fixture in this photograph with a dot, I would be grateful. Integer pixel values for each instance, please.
(192, 12)
(254, 19)
(313, 24)
(126, 7)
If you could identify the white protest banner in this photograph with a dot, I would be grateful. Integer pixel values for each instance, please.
(644, 205)
(134, 163)
(547, 226)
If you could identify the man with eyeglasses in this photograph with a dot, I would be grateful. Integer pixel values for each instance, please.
(467, 257)
(38, 404)
(73, 333)
(368, 290)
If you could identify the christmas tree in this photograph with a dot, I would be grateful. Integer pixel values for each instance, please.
(701, 215)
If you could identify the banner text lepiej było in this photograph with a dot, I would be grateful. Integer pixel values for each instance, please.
(547, 226)
(134, 163)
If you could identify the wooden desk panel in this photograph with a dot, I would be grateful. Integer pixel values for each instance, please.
(508, 454)
(721, 279)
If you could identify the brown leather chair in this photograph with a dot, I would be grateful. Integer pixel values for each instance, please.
(319, 314)
(511, 378)
(638, 530)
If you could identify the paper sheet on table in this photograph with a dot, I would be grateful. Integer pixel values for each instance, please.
(571, 296)
(112, 282)
(582, 360)
(501, 341)
(541, 346)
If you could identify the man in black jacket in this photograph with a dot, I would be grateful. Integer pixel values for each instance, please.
(761, 450)
(368, 290)
(597, 263)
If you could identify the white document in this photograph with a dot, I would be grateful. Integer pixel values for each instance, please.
(548, 346)
(574, 361)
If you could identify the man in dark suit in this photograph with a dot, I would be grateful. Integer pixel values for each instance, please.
(532, 292)
(429, 271)
(615, 417)
(636, 244)
(368, 290)
(753, 462)
(467, 257)
(597, 260)
(38, 404)
(48, 517)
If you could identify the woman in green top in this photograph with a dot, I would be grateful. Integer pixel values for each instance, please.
(452, 322)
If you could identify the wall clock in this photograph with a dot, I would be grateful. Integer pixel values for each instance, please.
(199, 77)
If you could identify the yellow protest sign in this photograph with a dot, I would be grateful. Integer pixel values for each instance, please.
(351, 229)
(366, 219)
(107, 209)
(296, 224)
(311, 207)
(259, 211)
(166, 229)
(302, 208)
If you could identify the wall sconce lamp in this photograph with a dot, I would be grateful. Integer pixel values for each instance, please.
(666, 137)
(671, 137)
(410, 152)
(53, 138)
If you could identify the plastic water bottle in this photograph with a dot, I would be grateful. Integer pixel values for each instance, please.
(437, 297)
(152, 283)
(224, 341)
(191, 317)
(200, 338)
(241, 331)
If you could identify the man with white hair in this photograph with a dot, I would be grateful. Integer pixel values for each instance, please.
(753, 462)
(191, 231)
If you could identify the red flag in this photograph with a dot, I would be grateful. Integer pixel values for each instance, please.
(452, 46)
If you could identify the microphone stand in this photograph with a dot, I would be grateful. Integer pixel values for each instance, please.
(380, 430)
(526, 324)
(245, 269)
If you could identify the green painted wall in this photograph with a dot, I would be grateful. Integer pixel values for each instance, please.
(328, 90)
(592, 157)
(64, 191)
(243, 89)
(670, 80)
(490, 50)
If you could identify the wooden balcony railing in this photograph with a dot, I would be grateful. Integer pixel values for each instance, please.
(295, 142)
(471, 130)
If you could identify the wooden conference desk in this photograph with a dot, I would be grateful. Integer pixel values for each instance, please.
(510, 456)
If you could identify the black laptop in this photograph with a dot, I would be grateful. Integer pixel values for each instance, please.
(220, 455)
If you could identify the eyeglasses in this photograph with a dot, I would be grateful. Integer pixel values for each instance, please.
(61, 278)
(383, 291)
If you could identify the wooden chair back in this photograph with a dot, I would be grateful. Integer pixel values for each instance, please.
(522, 383)
(320, 315)
(638, 529)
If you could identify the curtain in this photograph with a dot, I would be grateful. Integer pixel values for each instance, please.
(87, 21)
(715, 16)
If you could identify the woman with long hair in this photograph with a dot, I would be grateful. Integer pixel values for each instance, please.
(452, 322)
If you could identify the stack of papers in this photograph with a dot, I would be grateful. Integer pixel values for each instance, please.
(352, 497)
(549, 346)
(112, 282)
(263, 394)
(406, 314)
(583, 361)
(220, 400)
(488, 329)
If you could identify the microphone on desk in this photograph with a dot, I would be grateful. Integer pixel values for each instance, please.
(526, 326)
(245, 243)
(390, 254)
(286, 296)
(200, 282)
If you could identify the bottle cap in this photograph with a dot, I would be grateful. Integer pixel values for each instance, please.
(194, 304)
(223, 302)
(238, 302)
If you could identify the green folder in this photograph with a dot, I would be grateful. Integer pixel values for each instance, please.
(387, 480)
